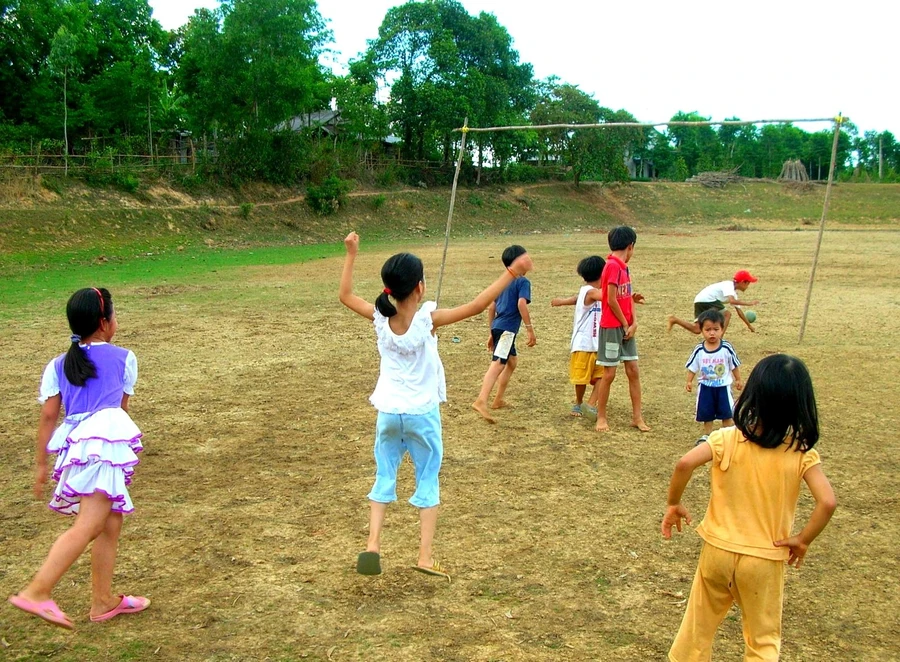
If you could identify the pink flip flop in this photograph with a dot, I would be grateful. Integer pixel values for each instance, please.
(48, 610)
(129, 605)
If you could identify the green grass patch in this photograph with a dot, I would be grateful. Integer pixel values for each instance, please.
(31, 279)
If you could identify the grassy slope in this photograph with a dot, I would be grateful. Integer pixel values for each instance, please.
(50, 242)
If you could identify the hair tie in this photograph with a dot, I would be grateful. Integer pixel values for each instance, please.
(99, 294)
(75, 337)
(387, 291)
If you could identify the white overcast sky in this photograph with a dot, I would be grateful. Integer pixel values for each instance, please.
(768, 59)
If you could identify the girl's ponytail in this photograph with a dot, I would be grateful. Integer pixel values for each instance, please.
(384, 305)
(401, 275)
(85, 309)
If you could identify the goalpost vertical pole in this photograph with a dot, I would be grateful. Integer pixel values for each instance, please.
(462, 150)
(812, 274)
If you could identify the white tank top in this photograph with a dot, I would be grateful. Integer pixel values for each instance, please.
(586, 327)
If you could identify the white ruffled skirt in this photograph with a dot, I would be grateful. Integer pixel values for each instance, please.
(96, 453)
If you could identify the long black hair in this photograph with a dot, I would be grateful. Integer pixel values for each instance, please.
(778, 402)
(85, 309)
(401, 274)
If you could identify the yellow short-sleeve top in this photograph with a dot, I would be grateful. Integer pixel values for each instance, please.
(753, 494)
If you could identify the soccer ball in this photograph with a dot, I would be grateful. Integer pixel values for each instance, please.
(750, 315)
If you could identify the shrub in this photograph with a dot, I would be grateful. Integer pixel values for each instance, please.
(378, 201)
(245, 210)
(329, 196)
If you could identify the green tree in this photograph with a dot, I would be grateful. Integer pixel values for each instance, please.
(589, 153)
(445, 65)
(699, 146)
(252, 64)
(62, 63)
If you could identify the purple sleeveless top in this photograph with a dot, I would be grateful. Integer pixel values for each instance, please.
(101, 392)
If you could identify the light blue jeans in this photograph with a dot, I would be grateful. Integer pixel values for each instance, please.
(420, 434)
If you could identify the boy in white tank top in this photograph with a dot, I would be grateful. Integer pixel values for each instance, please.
(583, 368)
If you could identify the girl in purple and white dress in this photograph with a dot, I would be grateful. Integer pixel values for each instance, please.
(96, 447)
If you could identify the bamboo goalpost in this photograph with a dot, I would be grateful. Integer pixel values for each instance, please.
(838, 121)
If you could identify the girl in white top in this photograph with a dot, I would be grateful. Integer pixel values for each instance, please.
(410, 389)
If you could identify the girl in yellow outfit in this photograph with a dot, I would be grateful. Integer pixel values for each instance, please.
(758, 466)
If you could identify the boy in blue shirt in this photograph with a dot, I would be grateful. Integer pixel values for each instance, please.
(505, 316)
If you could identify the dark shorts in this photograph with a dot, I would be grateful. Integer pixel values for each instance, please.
(613, 348)
(504, 345)
(702, 306)
(714, 403)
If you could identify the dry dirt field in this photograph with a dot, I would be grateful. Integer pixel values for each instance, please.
(258, 433)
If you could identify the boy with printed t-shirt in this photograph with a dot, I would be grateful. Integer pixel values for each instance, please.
(714, 297)
(716, 365)
(505, 316)
(617, 328)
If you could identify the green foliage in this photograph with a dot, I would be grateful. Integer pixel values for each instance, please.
(277, 158)
(448, 65)
(680, 171)
(378, 201)
(245, 209)
(252, 64)
(328, 197)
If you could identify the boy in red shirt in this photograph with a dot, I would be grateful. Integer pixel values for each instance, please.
(617, 328)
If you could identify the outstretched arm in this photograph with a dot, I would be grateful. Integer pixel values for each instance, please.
(444, 316)
(564, 301)
(699, 456)
(825, 506)
(345, 292)
(744, 319)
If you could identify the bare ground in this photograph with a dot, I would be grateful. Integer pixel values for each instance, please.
(251, 493)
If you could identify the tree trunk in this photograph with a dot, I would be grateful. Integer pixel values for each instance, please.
(480, 162)
(65, 124)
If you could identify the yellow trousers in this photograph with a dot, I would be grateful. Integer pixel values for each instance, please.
(755, 584)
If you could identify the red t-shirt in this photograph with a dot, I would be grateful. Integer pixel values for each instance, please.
(616, 273)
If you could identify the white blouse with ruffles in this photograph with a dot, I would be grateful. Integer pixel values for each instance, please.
(411, 379)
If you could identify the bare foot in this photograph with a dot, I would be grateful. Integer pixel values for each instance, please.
(640, 425)
(500, 404)
(483, 410)
(602, 425)
(670, 322)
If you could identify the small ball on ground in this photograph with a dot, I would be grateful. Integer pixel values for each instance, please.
(750, 315)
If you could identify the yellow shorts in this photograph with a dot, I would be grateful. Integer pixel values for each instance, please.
(583, 368)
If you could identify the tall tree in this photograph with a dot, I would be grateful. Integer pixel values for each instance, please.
(444, 65)
(252, 64)
(63, 62)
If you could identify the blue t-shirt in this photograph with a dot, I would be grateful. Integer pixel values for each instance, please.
(507, 317)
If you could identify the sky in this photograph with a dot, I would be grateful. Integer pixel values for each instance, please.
(784, 59)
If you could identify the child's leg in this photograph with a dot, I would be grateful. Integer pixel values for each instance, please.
(423, 438)
(89, 523)
(490, 378)
(377, 511)
(728, 422)
(634, 390)
(389, 450)
(427, 527)
(759, 591)
(579, 393)
(671, 321)
(103, 561)
(602, 391)
(727, 314)
(503, 382)
(707, 606)
(707, 427)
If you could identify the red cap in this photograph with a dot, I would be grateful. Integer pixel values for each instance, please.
(744, 276)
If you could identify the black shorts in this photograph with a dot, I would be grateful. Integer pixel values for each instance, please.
(702, 306)
(504, 345)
